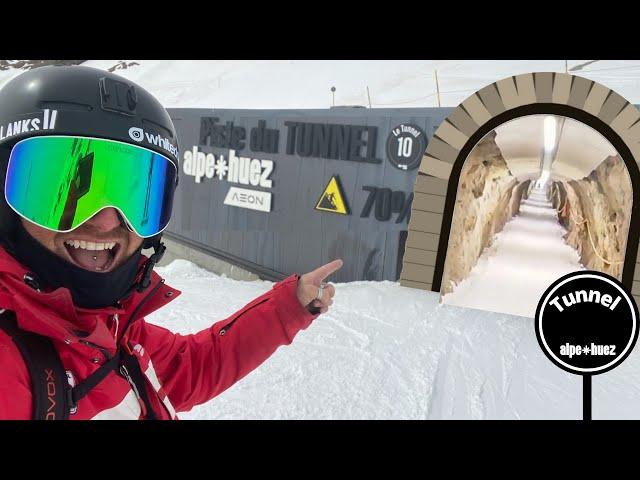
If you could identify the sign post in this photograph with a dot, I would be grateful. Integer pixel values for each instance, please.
(586, 323)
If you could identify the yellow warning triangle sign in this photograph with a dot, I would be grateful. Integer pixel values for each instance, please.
(332, 199)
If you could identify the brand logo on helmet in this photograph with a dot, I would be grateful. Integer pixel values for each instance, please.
(138, 135)
(45, 122)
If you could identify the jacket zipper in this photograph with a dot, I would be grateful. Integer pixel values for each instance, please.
(228, 326)
(125, 373)
(105, 353)
(115, 320)
(123, 370)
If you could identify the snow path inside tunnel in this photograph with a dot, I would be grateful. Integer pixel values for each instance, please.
(525, 258)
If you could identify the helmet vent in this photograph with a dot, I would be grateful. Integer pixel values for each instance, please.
(117, 96)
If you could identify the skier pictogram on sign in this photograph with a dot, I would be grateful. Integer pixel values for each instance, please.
(333, 199)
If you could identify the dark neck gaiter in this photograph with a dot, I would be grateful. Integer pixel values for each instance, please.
(88, 289)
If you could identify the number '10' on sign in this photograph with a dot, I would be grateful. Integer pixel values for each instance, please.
(405, 147)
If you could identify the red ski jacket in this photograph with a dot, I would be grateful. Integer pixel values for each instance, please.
(181, 370)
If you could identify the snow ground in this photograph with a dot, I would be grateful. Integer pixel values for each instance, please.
(527, 256)
(383, 352)
(390, 352)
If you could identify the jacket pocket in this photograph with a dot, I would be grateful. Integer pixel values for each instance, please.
(234, 318)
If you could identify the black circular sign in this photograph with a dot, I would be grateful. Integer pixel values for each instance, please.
(406, 145)
(586, 322)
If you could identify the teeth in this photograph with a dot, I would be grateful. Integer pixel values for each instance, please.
(90, 245)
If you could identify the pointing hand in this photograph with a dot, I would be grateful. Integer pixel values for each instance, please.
(311, 295)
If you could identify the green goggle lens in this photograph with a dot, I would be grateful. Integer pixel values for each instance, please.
(59, 182)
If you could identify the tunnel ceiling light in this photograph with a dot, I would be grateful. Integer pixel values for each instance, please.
(541, 182)
(544, 178)
(549, 133)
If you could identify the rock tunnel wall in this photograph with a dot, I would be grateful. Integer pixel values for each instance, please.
(488, 196)
(596, 212)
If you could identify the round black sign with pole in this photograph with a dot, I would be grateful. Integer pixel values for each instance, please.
(586, 323)
(406, 145)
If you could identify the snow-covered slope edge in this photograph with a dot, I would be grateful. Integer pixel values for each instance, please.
(282, 84)
(384, 351)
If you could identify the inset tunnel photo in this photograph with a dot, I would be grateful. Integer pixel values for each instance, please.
(538, 197)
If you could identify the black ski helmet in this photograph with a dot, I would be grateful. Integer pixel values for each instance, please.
(78, 100)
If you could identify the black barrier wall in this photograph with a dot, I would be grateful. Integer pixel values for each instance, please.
(283, 191)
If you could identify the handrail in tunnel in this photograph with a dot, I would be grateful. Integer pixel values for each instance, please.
(584, 220)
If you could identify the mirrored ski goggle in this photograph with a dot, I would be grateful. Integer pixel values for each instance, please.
(60, 182)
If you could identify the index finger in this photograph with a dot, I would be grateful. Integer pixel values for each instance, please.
(320, 273)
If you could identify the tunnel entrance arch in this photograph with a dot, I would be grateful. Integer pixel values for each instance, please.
(532, 94)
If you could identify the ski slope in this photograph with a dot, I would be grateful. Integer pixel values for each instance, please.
(274, 84)
(375, 83)
(389, 352)
(527, 256)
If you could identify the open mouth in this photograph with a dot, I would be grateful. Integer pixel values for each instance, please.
(94, 256)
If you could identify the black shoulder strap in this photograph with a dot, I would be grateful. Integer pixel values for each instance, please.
(133, 373)
(49, 383)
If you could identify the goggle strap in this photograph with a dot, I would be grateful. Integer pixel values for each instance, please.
(145, 280)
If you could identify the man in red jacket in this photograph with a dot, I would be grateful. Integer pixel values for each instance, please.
(91, 167)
